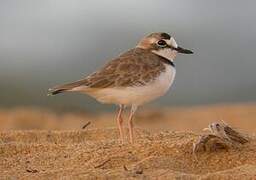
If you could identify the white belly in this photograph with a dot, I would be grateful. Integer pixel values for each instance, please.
(138, 95)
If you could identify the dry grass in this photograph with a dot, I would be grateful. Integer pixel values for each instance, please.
(61, 148)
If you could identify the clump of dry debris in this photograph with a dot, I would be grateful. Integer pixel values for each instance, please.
(221, 136)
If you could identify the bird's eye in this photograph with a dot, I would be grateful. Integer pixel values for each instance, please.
(161, 43)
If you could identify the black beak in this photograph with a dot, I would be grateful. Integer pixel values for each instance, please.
(183, 51)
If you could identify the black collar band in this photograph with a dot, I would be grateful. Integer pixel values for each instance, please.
(167, 61)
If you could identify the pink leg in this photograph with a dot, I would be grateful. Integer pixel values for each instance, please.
(130, 123)
(120, 122)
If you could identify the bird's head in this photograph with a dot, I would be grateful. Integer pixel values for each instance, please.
(163, 45)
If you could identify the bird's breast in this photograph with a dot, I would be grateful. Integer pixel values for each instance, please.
(164, 81)
(138, 95)
(154, 89)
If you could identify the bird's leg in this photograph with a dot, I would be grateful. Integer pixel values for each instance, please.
(130, 123)
(120, 122)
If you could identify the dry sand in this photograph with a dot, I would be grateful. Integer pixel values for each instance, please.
(95, 152)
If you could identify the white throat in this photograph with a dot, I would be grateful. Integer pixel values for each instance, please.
(166, 53)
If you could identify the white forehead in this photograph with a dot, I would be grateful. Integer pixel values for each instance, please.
(172, 42)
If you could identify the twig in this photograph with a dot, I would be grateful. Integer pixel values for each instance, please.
(141, 161)
(161, 174)
(31, 170)
(102, 164)
(125, 168)
(87, 124)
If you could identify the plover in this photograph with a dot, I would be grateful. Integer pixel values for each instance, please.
(134, 78)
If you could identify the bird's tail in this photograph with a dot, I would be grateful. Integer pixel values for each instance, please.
(64, 88)
(52, 92)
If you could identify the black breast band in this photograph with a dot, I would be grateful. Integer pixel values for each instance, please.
(167, 61)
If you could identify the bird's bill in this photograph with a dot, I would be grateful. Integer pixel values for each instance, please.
(173, 45)
(183, 51)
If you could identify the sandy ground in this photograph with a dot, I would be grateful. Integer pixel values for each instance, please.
(58, 148)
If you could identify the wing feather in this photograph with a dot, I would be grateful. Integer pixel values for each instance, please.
(133, 68)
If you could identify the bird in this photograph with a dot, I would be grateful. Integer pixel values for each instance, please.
(135, 77)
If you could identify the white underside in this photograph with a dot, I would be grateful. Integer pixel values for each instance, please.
(135, 95)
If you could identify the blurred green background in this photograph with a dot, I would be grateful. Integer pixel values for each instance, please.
(49, 42)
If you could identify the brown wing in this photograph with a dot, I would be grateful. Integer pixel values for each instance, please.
(133, 68)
